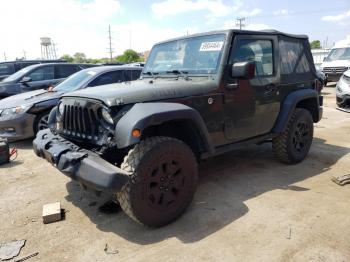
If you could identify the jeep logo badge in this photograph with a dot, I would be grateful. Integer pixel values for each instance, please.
(76, 103)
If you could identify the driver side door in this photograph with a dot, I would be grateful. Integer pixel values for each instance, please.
(252, 105)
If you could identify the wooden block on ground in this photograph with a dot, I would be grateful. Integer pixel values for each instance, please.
(52, 212)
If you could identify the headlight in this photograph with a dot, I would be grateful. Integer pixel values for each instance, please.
(61, 108)
(14, 110)
(106, 116)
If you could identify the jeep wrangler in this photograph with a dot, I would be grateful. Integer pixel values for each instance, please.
(198, 96)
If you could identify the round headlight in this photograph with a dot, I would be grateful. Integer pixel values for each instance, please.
(106, 116)
(61, 108)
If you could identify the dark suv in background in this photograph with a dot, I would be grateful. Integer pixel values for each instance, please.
(11, 67)
(38, 77)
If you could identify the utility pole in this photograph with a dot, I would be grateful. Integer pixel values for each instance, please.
(129, 39)
(5, 57)
(24, 55)
(240, 21)
(110, 43)
(54, 49)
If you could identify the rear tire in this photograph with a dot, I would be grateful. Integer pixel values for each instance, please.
(293, 145)
(163, 179)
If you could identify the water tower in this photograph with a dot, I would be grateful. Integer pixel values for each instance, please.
(48, 50)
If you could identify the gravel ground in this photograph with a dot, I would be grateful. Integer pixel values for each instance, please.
(248, 207)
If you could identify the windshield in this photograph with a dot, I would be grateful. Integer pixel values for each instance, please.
(339, 54)
(196, 55)
(19, 74)
(75, 81)
(6, 69)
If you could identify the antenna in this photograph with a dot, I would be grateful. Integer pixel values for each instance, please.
(240, 21)
(110, 43)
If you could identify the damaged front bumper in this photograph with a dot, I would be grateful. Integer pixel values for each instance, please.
(82, 165)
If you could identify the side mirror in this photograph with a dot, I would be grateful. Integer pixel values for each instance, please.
(243, 70)
(25, 79)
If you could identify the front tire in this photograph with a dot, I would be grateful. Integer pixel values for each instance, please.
(293, 145)
(162, 183)
(41, 122)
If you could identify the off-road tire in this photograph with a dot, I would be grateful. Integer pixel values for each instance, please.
(39, 121)
(293, 144)
(163, 179)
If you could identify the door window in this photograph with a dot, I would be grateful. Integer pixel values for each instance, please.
(108, 78)
(258, 51)
(63, 71)
(42, 73)
(295, 64)
(131, 75)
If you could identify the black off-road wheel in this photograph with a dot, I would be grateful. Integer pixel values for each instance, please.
(163, 179)
(293, 145)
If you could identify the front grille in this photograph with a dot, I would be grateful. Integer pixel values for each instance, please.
(334, 70)
(80, 122)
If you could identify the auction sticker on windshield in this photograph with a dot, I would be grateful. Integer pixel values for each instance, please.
(211, 46)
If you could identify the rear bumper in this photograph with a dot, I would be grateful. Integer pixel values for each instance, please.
(79, 164)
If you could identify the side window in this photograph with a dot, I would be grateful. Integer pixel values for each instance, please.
(294, 62)
(6, 69)
(258, 51)
(42, 73)
(108, 78)
(135, 74)
(63, 71)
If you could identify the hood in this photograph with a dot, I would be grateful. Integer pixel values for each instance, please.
(28, 98)
(145, 90)
(336, 63)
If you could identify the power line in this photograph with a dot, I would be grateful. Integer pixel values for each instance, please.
(299, 13)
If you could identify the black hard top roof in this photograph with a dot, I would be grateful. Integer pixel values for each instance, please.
(241, 32)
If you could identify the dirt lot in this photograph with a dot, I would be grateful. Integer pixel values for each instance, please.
(248, 207)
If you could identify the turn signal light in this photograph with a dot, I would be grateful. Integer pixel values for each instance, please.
(136, 133)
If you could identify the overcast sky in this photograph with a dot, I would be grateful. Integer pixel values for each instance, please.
(82, 25)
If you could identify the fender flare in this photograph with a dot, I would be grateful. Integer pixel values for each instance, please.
(143, 115)
(289, 104)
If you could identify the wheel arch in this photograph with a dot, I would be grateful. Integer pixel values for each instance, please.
(165, 119)
(306, 98)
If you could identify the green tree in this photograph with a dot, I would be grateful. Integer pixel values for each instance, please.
(67, 58)
(316, 44)
(129, 56)
(79, 57)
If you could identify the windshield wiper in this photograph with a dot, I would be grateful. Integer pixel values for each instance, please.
(150, 73)
(179, 72)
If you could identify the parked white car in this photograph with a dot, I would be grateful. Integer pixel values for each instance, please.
(343, 92)
(337, 61)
